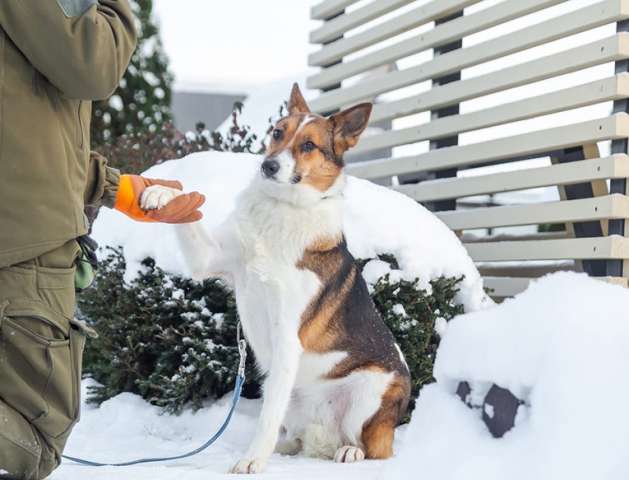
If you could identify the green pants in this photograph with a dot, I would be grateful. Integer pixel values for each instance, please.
(41, 348)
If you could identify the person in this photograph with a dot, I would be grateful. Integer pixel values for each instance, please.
(56, 56)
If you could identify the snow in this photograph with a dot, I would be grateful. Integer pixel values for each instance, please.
(377, 221)
(561, 346)
(126, 428)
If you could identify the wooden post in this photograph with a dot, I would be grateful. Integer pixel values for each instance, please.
(597, 268)
(619, 268)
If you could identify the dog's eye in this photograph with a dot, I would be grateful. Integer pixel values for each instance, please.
(277, 134)
(308, 146)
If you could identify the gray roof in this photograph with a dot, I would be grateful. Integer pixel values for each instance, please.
(212, 109)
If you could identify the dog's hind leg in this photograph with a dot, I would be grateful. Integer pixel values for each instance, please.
(287, 446)
(378, 437)
(320, 441)
(349, 454)
(378, 432)
(288, 443)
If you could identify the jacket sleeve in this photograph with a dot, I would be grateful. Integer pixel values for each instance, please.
(83, 47)
(102, 182)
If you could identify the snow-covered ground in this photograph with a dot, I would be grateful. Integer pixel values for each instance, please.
(126, 428)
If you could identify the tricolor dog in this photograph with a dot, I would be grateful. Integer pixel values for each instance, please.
(336, 382)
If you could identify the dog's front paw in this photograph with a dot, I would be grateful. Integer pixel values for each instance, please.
(349, 454)
(158, 196)
(249, 465)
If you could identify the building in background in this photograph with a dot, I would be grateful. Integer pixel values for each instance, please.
(261, 107)
(211, 108)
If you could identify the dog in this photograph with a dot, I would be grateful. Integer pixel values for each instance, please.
(336, 382)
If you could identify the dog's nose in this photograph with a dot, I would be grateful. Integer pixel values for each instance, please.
(270, 167)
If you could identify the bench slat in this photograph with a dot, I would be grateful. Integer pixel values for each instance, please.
(526, 269)
(509, 286)
(597, 53)
(527, 144)
(550, 30)
(441, 34)
(328, 8)
(407, 21)
(502, 287)
(614, 88)
(598, 208)
(612, 247)
(616, 166)
(338, 26)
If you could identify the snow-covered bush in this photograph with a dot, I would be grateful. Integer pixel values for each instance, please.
(416, 315)
(162, 336)
(173, 341)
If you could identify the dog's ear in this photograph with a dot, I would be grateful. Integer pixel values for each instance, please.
(297, 103)
(348, 126)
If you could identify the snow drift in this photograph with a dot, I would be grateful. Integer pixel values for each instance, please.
(377, 221)
(126, 428)
(562, 347)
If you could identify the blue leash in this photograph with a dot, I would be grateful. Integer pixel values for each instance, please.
(240, 379)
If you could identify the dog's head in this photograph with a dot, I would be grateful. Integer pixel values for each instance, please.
(304, 159)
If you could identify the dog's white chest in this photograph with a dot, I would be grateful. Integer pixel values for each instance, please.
(268, 298)
(271, 289)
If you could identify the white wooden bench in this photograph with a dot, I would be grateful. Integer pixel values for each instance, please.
(357, 36)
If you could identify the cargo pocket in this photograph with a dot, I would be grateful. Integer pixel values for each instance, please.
(40, 369)
(80, 128)
(78, 335)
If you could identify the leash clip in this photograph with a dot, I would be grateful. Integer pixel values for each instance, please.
(242, 351)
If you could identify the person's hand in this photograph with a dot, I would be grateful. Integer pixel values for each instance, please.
(150, 200)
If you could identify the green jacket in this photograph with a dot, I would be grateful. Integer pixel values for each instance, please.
(56, 56)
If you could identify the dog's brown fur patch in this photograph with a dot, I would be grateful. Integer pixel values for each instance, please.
(324, 244)
(318, 168)
(288, 126)
(342, 317)
(318, 331)
(378, 431)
